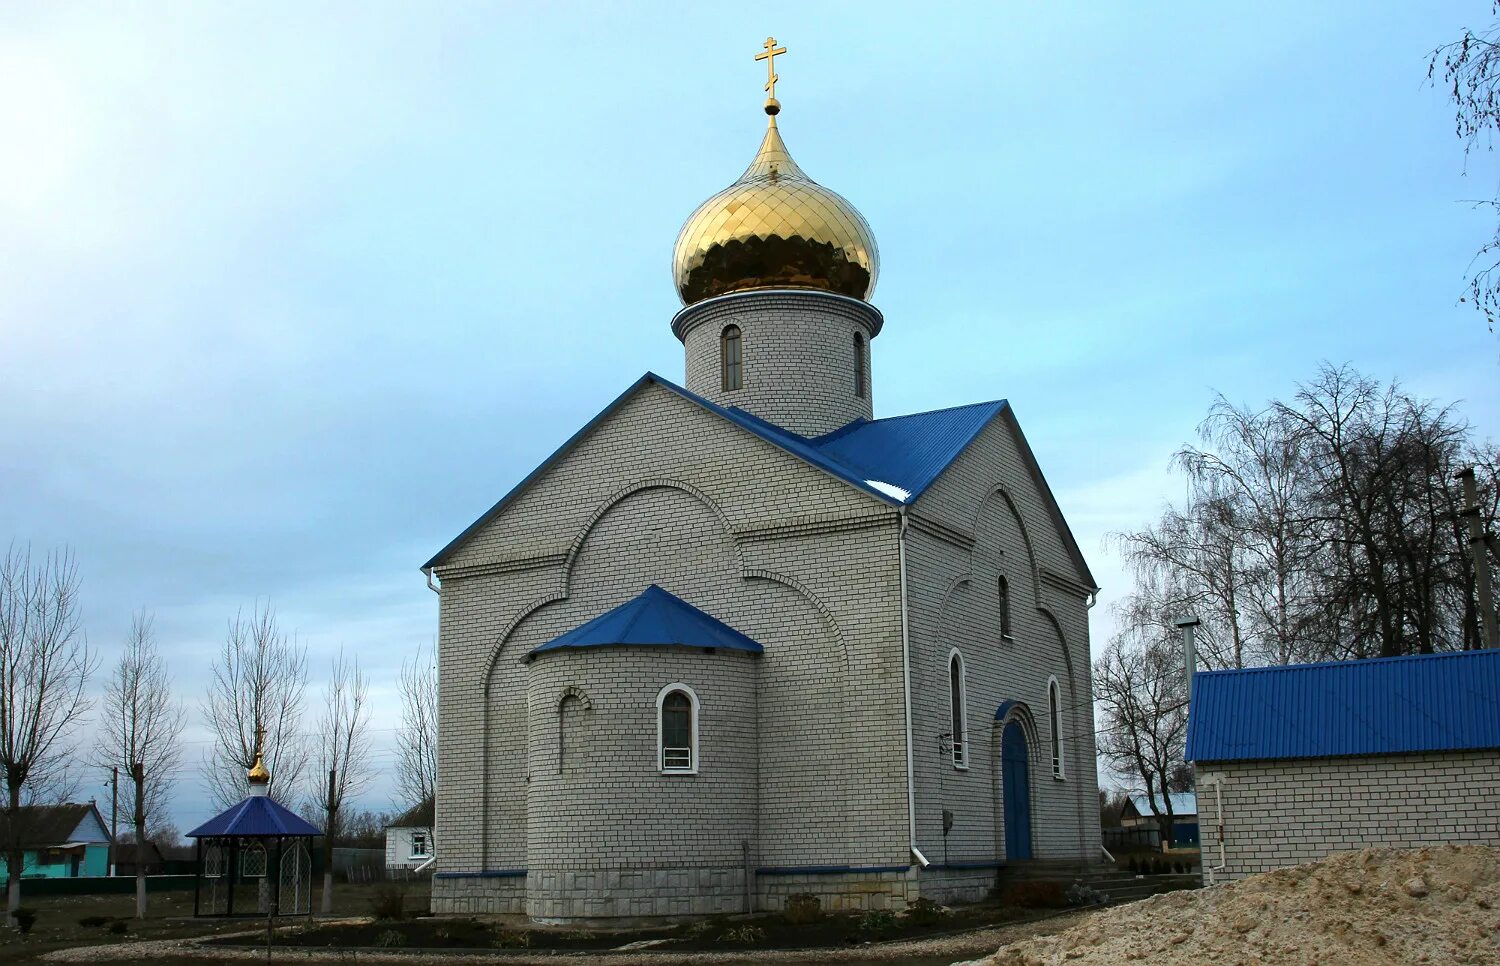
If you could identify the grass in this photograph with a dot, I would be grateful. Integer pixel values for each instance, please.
(63, 922)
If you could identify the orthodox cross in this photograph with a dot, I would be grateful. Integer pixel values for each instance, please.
(770, 58)
(260, 738)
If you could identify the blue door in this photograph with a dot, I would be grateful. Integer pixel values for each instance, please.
(1015, 781)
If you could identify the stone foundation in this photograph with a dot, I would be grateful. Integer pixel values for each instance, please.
(950, 885)
(592, 894)
(494, 893)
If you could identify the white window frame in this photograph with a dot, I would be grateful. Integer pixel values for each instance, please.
(424, 853)
(959, 742)
(1054, 723)
(661, 751)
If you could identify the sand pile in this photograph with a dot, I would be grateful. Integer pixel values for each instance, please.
(1376, 906)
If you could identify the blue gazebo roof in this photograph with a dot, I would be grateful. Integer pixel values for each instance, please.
(258, 816)
(654, 619)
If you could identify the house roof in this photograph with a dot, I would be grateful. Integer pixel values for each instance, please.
(258, 816)
(1429, 702)
(50, 825)
(1183, 803)
(894, 460)
(418, 816)
(655, 618)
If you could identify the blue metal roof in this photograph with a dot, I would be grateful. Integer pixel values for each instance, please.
(906, 452)
(894, 460)
(653, 619)
(258, 815)
(1429, 702)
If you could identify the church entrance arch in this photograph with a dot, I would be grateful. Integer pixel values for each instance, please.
(1015, 783)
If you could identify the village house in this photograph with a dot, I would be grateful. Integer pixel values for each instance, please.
(59, 841)
(1298, 761)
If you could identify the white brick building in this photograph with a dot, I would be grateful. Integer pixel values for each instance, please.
(740, 640)
(1296, 762)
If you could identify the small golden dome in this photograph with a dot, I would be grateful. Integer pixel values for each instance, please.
(774, 228)
(258, 773)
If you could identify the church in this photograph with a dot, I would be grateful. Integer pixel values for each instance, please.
(738, 639)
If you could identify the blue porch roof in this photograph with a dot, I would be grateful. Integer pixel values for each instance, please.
(257, 815)
(656, 618)
(1430, 702)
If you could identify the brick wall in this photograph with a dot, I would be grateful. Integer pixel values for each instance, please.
(1279, 813)
(798, 352)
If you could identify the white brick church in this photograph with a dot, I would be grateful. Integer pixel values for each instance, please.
(738, 639)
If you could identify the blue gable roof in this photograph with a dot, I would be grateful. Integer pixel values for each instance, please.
(258, 815)
(893, 460)
(1430, 702)
(656, 618)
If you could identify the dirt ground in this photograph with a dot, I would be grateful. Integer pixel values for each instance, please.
(1375, 907)
(65, 922)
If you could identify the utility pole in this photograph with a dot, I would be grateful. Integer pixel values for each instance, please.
(114, 813)
(328, 828)
(1488, 635)
(138, 772)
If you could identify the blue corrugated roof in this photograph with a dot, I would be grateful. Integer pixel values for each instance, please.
(1430, 702)
(893, 459)
(256, 815)
(656, 618)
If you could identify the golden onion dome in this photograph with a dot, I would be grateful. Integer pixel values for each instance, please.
(774, 228)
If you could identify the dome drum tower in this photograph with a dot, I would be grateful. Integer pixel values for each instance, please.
(775, 273)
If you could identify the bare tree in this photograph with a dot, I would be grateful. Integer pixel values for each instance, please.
(1325, 527)
(45, 663)
(1469, 68)
(416, 741)
(1141, 692)
(258, 682)
(141, 735)
(343, 752)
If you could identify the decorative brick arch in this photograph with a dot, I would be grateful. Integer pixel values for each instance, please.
(1015, 514)
(625, 492)
(573, 691)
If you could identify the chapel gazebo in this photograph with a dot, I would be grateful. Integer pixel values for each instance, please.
(254, 857)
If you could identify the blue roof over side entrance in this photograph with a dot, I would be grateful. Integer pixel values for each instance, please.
(656, 618)
(1429, 702)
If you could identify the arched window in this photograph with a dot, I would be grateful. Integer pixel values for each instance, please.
(677, 730)
(1004, 589)
(569, 732)
(253, 862)
(860, 387)
(1054, 719)
(957, 716)
(731, 358)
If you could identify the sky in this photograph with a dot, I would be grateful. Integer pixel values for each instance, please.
(290, 294)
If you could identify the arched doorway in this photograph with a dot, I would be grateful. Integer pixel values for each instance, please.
(1015, 781)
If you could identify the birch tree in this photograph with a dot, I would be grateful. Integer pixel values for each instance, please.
(141, 735)
(258, 681)
(45, 663)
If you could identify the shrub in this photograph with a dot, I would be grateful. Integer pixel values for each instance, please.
(91, 921)
(388, 902)
(746, 935)
(877, 921)
(1079, 894)
(118, 927)
(1034, 895)
(390, 939)
(513, 940)
(802, 908)
(25, 918)
(925, 912)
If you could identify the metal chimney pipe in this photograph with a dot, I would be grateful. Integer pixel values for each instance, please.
(1189, 649)
(1489, 637)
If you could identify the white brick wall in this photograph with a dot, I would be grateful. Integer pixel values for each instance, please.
(1279, 813)
(798, 351)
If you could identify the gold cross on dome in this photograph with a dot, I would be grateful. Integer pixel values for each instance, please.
(769, 56)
